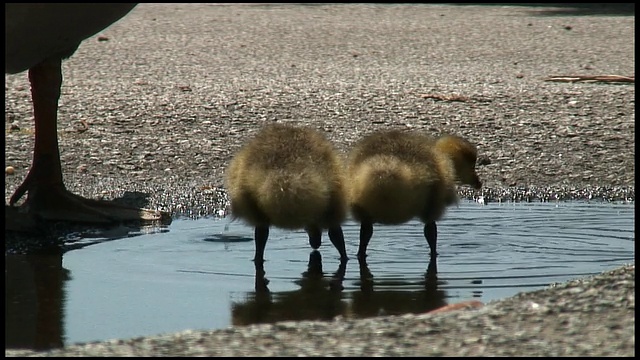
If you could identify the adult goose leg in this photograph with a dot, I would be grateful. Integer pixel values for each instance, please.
(38, 37)
(47, 196)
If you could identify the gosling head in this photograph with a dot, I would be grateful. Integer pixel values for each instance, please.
(463, 154)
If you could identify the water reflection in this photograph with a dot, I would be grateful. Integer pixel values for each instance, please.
(117, 288)
(35, 280)
(369, 302)
(35, 296)
(319, 297)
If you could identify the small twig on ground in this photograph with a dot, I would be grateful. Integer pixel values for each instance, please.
(592, 78)
(445, 97)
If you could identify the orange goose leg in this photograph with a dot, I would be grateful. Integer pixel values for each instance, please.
(47, 197)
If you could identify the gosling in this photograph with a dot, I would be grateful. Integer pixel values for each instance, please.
(292, 178)
(395, 176)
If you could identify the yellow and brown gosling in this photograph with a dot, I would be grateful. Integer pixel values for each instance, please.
(289, 177)
(395, 176)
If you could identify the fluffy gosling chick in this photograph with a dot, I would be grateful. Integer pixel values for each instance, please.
(292, 178)
(395, 176)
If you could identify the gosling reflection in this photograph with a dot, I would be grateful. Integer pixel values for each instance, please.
(35, 296)
(319, 297)
(369, 302)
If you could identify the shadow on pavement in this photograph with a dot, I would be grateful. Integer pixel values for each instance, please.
(571, 9)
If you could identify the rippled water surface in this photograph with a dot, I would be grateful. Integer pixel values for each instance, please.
(198, 274)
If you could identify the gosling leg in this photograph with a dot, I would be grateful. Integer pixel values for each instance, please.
(337, 239)
(431, 234)
(261, 281)
(315, 236)
(366, 231)
(261, 236)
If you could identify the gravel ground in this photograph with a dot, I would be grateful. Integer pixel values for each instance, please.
(176, 89)
(158, 103)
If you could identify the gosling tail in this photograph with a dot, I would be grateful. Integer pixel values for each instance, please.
(293, 200)
(383, 190)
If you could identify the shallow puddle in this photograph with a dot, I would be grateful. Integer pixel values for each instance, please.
(198, 274)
